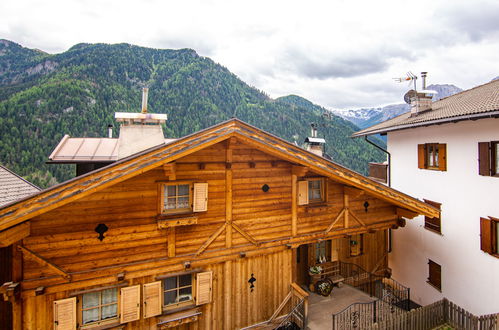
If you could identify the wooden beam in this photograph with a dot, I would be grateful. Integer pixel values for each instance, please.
(338, 217)
(352, 192)
(345, 205)
(294, 207)
(244, 234)
(171, 242)
(227, 289)
(170, 170)
(228, 193)
(211, 239)
(362, 223)
(380, 261)
(42, 262)
(299, 170)
(406, 213)
(14, 234)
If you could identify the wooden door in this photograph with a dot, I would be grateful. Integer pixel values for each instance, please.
(301, 264)
(5, 276)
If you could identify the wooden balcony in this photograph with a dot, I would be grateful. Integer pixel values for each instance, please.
(378, 172)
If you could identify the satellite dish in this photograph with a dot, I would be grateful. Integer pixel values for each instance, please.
(410, 94)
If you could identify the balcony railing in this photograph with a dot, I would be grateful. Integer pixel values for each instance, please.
(378, 172)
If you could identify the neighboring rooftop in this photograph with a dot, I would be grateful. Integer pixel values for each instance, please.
(83, 150)
(479, 102)
(13, 187)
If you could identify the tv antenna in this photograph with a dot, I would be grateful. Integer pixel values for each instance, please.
(410, 77)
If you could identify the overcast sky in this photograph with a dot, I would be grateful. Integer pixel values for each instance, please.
(339, 54)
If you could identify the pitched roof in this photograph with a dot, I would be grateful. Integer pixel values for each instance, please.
(134, 165)
(13, 187)
(478, 102)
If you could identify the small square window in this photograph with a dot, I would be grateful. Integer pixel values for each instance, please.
(177, 291)
(315, 190)
(176, 198)
(99, 306)
(432, 156)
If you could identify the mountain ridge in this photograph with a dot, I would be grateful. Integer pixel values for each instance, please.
(76, 92)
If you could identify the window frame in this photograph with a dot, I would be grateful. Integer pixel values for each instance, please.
(100, 322)
(492, 225)
(438, 154)
(180, 304)
(434, 282)
(162, 189)
(322, 190)
(494, 164)
(429, 222)
(322, 246)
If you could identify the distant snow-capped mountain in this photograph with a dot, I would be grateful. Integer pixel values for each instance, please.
(367, 117)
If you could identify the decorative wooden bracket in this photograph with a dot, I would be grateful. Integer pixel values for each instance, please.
(211, 239)
(170, 171)
(352, 192)
(38, 259)
(362, 223)
(343, 214)
(299, 170)
(338, 217)
(406, 213)
(245, 234)
(10, 291)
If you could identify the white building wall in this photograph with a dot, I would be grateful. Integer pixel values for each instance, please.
(470, 277)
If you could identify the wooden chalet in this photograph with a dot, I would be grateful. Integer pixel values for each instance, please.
(216, 230)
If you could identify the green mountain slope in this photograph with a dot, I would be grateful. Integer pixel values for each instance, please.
(43, 97)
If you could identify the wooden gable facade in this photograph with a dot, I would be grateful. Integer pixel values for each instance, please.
(212, 231)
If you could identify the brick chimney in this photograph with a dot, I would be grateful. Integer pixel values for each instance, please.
(421, 101)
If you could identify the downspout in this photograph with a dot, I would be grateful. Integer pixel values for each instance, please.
(389, 160)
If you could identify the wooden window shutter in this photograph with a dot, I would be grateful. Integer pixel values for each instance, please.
(200, 199)
(152, 299)
(486, 235)
(442, 157)
(130, 304)
(435, 274)
(203, 288)
(484, 158)
(421, 156)
(302, 192)
(65, 314)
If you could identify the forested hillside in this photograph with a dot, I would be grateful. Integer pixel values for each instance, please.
(44, 96)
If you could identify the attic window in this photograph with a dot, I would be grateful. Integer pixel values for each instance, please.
(311, 190)
(183, 197)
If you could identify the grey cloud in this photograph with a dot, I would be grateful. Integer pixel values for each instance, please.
(347, 65)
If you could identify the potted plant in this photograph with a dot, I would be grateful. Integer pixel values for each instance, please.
(314, 270)
(324, 287)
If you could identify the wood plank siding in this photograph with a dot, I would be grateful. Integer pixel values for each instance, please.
(245, 242)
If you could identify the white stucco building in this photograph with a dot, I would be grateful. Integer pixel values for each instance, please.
(448, 152)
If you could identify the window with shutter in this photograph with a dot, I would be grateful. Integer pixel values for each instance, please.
(98, 307)
(433, 224)
(152, 299)
(432, 156)
(488, 158)
(489, 235)
(200, 197)
(65, 314)
(130, 304)
(311, 190)
(203, 288)
(177, 291)
(435, 274)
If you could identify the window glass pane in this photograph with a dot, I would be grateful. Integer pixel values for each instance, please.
(91, 299)
(183, 190)
(185, 294)
(170, 297)
(183, 202)
(91, 315)
(109, 311)
(170, 283)
(314, 184)
(436, 156)
(315, 194)
(170, 191)
(185, 280)
(171, 203)
(430, 155)
(109, 296)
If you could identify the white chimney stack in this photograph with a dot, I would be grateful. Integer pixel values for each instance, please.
(110, 131)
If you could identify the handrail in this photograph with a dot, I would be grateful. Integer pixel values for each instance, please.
(299, 291)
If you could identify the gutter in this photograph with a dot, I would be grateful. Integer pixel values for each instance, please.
(389, 159)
